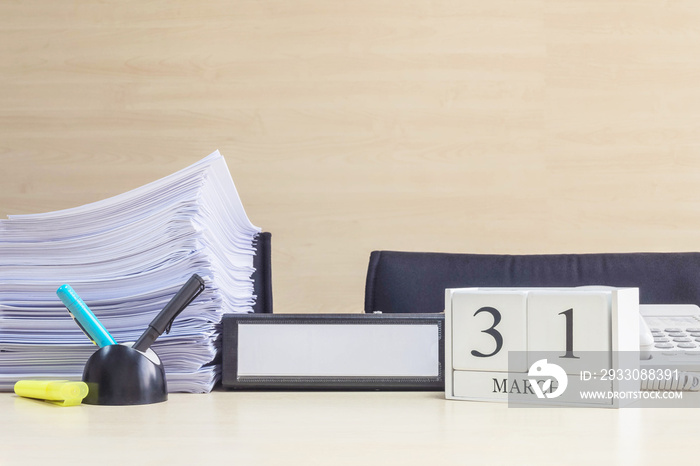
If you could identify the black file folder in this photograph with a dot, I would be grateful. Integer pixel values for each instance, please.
(334, 351)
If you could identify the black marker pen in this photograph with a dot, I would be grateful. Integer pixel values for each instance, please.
(164, 319)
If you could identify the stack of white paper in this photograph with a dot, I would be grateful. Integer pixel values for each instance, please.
(126, 257)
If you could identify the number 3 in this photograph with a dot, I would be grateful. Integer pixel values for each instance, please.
(491, 331)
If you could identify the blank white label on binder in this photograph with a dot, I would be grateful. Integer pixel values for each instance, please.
(327, 350)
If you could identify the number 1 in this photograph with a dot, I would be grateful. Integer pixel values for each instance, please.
(569, 315)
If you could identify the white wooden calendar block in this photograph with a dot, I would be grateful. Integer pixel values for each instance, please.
(481, 328)
(486, 325)
(570, 328)
(518, 388)
(517, 344)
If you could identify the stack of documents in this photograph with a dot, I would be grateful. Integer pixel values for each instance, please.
(126, 257)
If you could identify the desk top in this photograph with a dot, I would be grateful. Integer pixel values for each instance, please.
(339, 428)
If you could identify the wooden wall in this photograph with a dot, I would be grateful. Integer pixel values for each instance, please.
(493, 126)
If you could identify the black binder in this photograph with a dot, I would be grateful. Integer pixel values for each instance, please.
(262, 277)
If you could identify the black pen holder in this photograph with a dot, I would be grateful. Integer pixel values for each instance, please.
(120, 375)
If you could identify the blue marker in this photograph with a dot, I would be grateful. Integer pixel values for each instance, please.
(84, 317)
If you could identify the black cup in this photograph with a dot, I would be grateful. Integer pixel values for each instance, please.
(120, 375)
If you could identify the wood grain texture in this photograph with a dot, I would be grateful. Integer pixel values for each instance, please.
(458, 126)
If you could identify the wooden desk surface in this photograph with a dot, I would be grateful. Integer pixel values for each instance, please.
(338, 428)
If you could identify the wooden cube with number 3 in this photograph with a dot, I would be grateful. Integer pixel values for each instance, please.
(486, 325)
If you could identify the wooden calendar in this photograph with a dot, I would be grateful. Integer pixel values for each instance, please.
(542, 345)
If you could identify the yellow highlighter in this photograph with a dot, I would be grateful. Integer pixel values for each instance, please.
(59, 392)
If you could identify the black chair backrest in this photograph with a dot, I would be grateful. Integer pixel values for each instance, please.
(416, 281)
